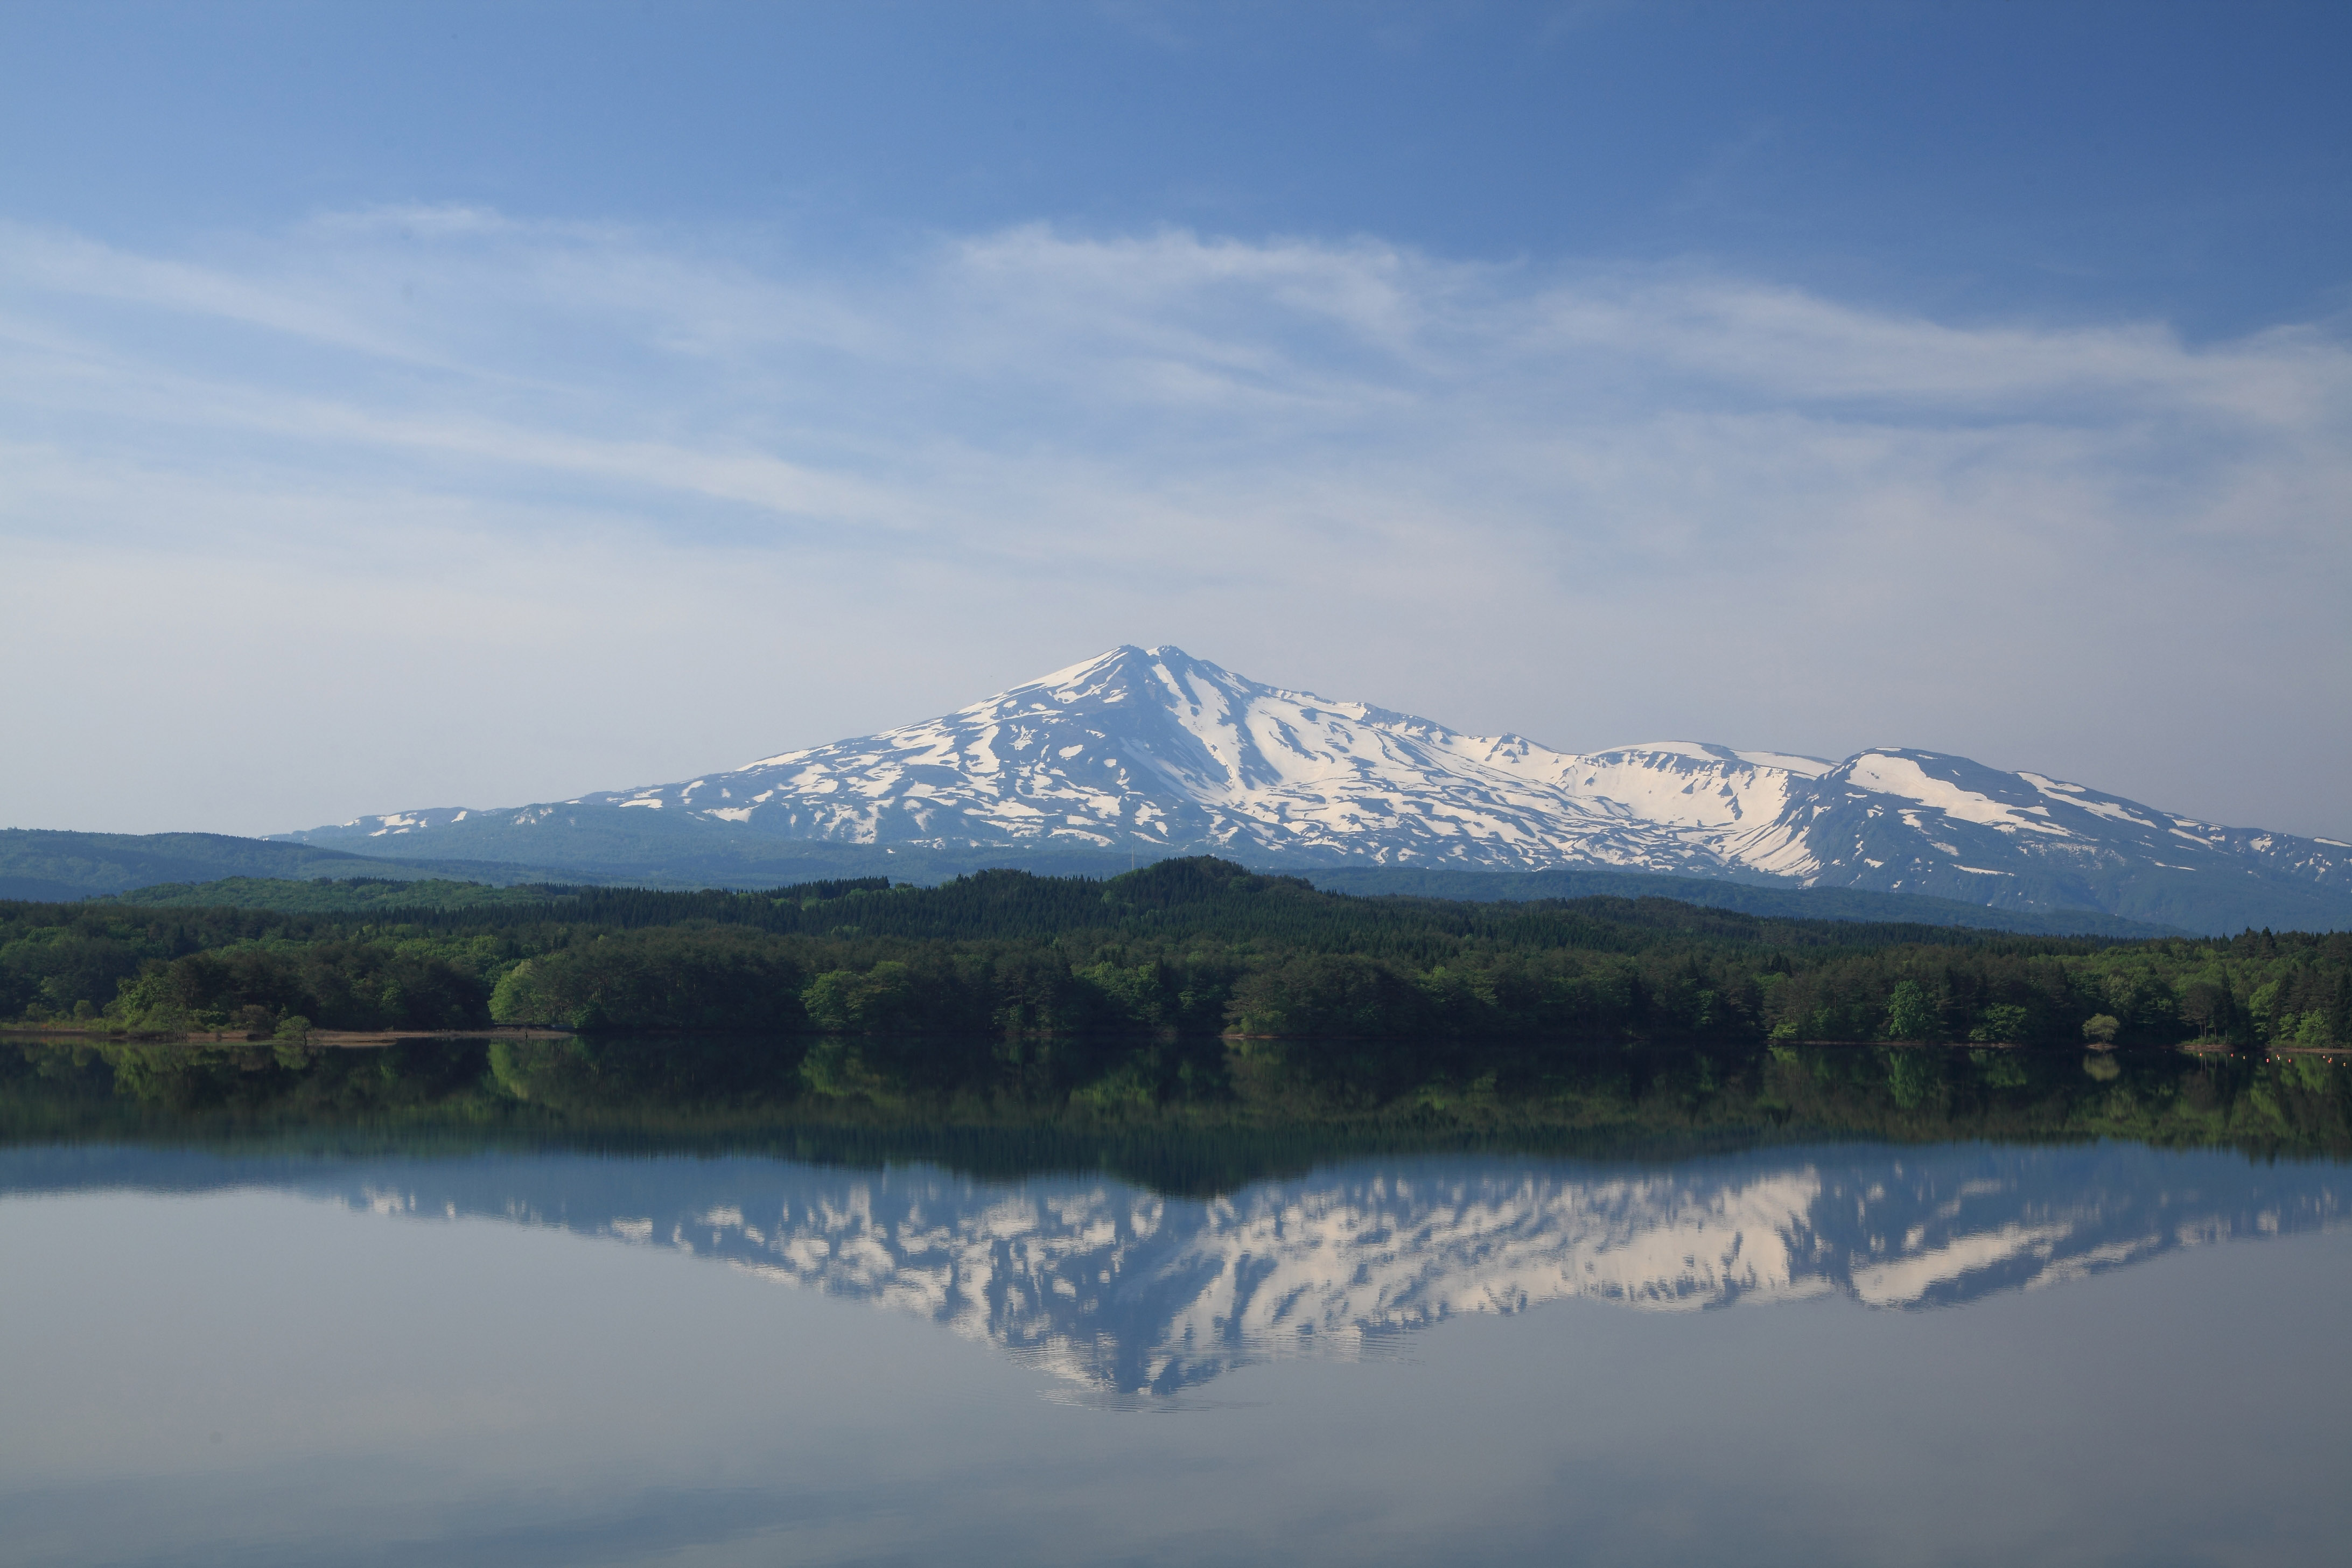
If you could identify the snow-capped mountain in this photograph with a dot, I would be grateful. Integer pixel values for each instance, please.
(1156, 752)
(1121, 1291)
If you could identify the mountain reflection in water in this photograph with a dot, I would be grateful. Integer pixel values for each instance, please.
(1124, 1292)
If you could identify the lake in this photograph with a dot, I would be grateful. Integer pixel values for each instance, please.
(441, 1350)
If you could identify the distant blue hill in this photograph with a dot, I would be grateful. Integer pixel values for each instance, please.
(42, 864)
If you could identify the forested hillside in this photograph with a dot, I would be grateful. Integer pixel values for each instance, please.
(1183, 949)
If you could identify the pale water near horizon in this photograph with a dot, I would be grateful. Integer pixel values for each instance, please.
(1838, 1354)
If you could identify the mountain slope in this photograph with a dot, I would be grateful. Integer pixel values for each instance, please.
(1155, 752)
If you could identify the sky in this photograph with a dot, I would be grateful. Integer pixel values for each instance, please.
(472, 404)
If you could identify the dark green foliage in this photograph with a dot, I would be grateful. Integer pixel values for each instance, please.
(1331, 994)
(336, 985)
(693, 980)
(1180, 951)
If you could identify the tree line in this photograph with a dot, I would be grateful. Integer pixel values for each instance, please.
(1028, 970)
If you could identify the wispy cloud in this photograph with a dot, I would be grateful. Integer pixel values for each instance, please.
(740, 502)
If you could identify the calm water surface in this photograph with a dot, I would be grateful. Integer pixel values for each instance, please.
(1842, 1353)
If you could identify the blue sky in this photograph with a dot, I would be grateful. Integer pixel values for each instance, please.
(477, 403)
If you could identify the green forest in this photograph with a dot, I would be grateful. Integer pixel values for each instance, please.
(1184, 950)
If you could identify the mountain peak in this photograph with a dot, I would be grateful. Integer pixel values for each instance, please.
(1155, 752)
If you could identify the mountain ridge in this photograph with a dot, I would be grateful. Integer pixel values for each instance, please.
(1154, 753)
